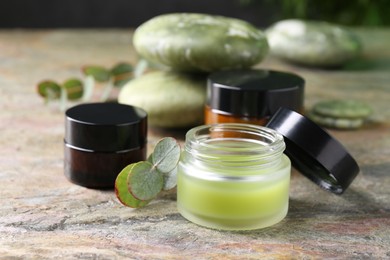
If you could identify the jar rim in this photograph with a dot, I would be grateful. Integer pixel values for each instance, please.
(251, 142)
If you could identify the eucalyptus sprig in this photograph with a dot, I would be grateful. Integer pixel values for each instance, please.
(139, 183)
(117, 76)
(75, 89)
(71, 89)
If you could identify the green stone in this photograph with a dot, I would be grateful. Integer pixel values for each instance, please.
(334, 122)
(171, 99)
(342, 109)
(313, 43)
(200, 42)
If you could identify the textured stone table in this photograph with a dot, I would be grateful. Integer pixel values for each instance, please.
(44, 216)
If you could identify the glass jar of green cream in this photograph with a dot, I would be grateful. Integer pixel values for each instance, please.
(233, 177)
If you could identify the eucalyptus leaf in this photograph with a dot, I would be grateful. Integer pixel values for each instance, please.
(150, 158)
(170, 179)
(74, 88)
(139, 183)
(145, 182)
(99, 73)
(166, 154)
(122, 73)
(48, 87)
(122, 191)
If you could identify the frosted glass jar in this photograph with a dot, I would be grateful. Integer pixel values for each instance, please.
(233, 177)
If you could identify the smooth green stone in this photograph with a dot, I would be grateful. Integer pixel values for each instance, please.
(200, 42)
(172, 100)
(337, 122)
(342, 109)
(313, 43)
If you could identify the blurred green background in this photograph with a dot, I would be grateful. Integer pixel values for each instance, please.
(346, 12)
(131, 13)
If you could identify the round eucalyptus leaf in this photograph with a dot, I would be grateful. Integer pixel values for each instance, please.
(122, 191)
(122, 73)
(144, 181)
(166, 154)
(170, 179)
(99, 73)
(49, 89)
(74, 88)
(150, 158)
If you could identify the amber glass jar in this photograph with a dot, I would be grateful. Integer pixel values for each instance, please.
(100, 140)
(251, 96)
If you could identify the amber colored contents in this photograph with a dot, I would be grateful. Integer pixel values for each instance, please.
(98, 169)
(251, 96)
(212, 117)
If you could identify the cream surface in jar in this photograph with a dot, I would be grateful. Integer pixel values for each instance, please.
(233, 177)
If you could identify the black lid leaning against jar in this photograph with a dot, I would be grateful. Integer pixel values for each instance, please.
(254, 93)
(313, 152)
(105, 127)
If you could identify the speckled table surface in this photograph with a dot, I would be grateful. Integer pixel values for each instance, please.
(43, 216)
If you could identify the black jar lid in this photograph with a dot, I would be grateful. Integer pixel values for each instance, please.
(105, 127)
(254, 93)
(315, 153)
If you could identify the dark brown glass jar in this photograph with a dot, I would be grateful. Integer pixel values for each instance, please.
(100, 140)
(251, 96)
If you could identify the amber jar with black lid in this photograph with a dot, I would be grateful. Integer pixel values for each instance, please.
(251, 96)
(100, 140)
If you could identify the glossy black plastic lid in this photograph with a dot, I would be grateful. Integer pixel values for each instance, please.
(254, 93)
(105, 127)
(314, 152)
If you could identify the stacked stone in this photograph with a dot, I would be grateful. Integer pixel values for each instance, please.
(188, 47)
